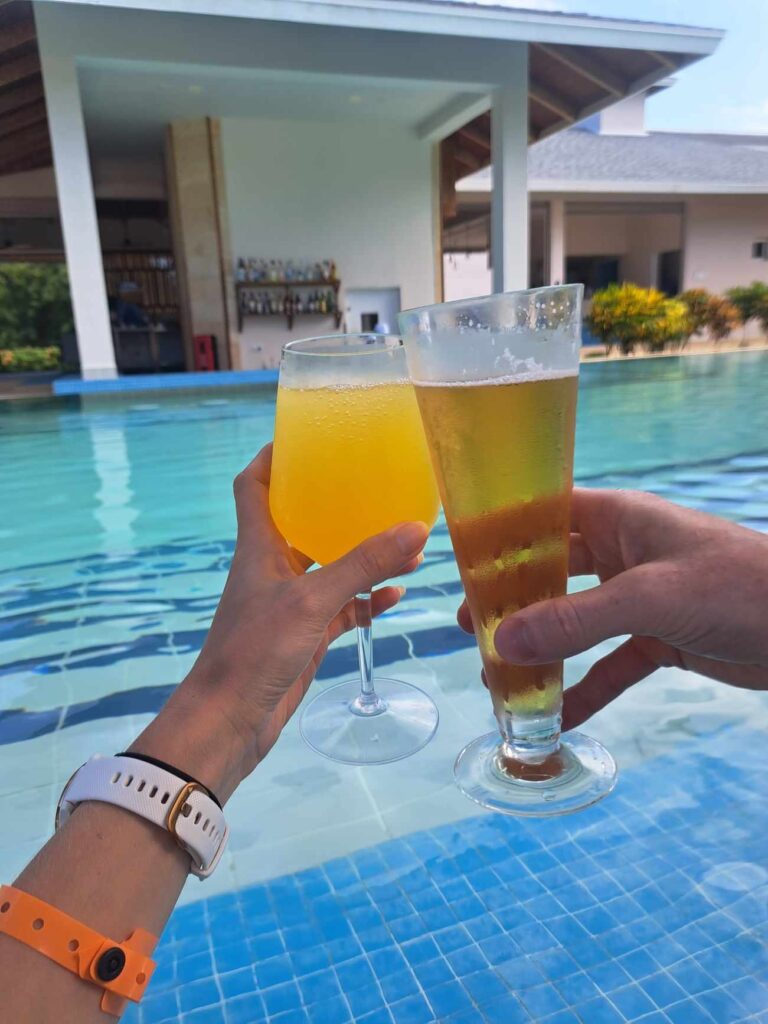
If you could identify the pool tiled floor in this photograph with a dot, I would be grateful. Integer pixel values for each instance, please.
(652, 907)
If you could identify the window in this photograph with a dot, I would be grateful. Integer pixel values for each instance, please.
(760, 250)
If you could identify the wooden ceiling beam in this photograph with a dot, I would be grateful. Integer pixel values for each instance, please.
(463, 156)
(477, 137)
(583, 65)
(22, 117)
(20, 95)
(26, 140)
(32, 161)
(18, 33)
(19, 68)
(552, 101)
(663, 61)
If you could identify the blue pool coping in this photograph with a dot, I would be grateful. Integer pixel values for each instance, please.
(164, 382)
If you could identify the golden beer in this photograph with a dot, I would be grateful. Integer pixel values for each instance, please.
(349, 462)
(503, 454)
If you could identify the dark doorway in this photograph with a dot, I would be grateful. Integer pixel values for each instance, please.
(368, 321)
(594, 272)
(670, 264)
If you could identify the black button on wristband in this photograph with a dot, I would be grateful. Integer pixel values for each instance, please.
(111, 964)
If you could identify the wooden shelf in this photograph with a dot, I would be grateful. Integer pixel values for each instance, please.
(250, 286)
(290, 314)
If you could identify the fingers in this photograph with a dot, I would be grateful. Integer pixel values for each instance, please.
(377, 559)
(606, 680)
(580, 562)
(465, 619)
(633, 602)
(382, 600)
(251, 489)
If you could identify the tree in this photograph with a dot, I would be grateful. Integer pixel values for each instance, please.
(627, 315)
(34, 304)
(749, 300)
(713, 313)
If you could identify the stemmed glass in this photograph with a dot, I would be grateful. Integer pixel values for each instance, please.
(496, 380)
(350, 459)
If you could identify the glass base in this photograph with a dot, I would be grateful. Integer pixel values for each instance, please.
(341, 726)
(578, 774)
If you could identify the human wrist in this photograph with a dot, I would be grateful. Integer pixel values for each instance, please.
(195, 733)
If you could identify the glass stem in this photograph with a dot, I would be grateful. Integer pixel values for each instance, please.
(367, 702)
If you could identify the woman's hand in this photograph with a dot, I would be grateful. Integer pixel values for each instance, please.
(274, 624)
(691, 589)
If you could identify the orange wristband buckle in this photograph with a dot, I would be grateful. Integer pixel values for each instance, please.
(121, 969)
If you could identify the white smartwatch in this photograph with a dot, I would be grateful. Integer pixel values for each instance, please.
(182, 806)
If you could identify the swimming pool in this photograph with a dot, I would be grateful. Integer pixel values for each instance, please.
(380, 895)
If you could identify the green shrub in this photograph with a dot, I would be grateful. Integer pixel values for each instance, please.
(713, 313)
(27, 358)
(627, 315)
(751, 300)
(34, 304)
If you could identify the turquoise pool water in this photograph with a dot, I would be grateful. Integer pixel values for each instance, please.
(116, 532)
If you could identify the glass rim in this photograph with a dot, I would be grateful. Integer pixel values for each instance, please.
(370, 348)
(484, 300)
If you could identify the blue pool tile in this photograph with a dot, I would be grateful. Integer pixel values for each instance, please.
(274, 971)
(236, 983)
(377, 1017)
(534, 938)
(563, 1017)
(688, 1012)
(721, 1006)
(387, 961)
(467, 961)
(306, 961)
(470, 1016)
(609, 976)
(332, 1011)
(506, 1011)
(405, 928)
(342, 950)
(638, 964)
(262, 947)
(450, 939)
(399, 986)
(662, 989)
(632, 1001)
(432, 973)
(447, 999)
(420, 950)
(245, 1009)
(197, 994)
(600, 1011)
(498, 948)
(484, 987)
(751, 993)
(355, 973)
(364, 1000)
(541, 1000)
(414, 1010)
(519, 973)
(484, 927)
(577, 988)
(691, 976)
(375, 938)
(282, 997)
(321, 985)
(206, 1015)
(162, 1006)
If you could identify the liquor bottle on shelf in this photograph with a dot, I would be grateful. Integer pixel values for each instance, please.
(242, 273)
(297, 304)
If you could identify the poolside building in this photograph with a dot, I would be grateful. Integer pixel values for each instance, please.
(611, 201)
(155, 144)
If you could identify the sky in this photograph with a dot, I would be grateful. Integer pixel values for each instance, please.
(725, 92)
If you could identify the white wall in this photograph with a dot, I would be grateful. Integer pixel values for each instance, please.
(648, 235)
(466, 275)
(595, 234)
(354, 192)
(719, 232)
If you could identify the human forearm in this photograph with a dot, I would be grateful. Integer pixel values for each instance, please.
(113, 871)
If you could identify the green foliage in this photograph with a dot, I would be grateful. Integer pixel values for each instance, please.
(28, 358)
(627, 315)
(34, 304)
(751, 300)
(710, 312)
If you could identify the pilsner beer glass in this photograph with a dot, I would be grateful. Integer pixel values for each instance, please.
(496, 380)
(350, 460)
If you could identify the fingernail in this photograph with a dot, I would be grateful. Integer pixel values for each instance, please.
(513, 642)
(409, 536)
(401, 591)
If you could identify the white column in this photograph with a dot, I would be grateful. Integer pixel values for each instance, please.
(509, 157)
(557, 241)
(77, 209)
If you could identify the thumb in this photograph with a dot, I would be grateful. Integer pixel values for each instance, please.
(370, 563)
(558, 628)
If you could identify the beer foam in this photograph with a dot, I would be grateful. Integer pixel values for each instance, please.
(527, 376)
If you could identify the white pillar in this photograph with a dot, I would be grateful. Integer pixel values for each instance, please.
(77, 208)
(509, 157)
(557, 241)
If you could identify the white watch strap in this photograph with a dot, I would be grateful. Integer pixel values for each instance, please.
(196, 822)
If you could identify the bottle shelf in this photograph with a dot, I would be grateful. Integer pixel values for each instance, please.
(289, 313)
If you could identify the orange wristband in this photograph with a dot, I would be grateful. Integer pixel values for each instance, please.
(121, 969)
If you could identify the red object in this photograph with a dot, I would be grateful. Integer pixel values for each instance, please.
(205, 352)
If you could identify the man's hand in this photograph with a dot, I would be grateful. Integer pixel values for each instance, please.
(689, 588)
